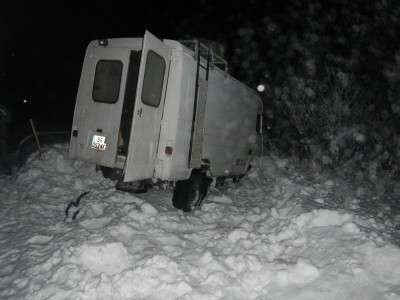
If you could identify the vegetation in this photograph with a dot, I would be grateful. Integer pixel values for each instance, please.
(332, 69)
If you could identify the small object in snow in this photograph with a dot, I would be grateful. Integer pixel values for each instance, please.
(74, 203)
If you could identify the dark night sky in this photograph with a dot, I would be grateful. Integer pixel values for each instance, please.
(43, 44)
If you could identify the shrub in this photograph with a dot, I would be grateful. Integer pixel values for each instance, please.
(327, 114)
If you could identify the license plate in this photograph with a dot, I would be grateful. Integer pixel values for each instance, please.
(98, 142)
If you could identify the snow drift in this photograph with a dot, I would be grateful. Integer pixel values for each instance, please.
(282, 234)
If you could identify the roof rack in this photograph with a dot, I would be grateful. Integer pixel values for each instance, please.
(206, 51)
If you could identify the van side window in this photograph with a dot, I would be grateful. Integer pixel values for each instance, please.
(107, 81)
(153, 79)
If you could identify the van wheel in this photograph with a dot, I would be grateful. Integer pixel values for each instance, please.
(189, 194)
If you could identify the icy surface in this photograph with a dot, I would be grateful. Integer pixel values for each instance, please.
(283, 234)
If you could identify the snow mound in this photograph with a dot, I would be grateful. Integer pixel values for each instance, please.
(384, 261)
(109, 258)
(148, 209)
(320, 218)
(280, 233)
(95, 223)
(300, 273)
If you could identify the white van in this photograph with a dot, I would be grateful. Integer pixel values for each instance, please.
(166, 111)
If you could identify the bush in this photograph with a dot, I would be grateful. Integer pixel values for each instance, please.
(326, 114)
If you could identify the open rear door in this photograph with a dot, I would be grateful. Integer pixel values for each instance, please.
(99, 104)
(149, 105)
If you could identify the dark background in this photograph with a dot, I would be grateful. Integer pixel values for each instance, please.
(43, 45)
(271, 42)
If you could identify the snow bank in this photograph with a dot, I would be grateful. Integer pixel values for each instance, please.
(265, 238)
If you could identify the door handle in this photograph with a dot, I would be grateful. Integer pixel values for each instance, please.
(139, 112)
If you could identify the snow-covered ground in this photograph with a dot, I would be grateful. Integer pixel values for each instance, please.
(288, 233)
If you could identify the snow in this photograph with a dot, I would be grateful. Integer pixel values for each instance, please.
(283, 232)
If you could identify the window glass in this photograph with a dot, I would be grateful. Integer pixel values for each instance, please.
(107, 81)
(153, 79)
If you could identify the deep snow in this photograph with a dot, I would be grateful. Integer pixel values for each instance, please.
(288, 233)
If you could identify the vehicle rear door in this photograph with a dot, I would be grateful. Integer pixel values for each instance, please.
(97, 116)
(149, 105)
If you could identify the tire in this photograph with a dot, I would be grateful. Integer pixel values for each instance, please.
(189, 194)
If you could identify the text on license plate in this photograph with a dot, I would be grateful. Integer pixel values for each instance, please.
(98, 142)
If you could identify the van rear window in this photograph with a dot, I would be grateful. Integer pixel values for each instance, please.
(153, 79)
(107, 81)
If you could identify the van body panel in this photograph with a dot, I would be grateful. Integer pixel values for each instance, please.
(229, 129)
(149, 105)
(230, 125)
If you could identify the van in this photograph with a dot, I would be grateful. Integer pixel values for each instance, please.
(164, 112)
